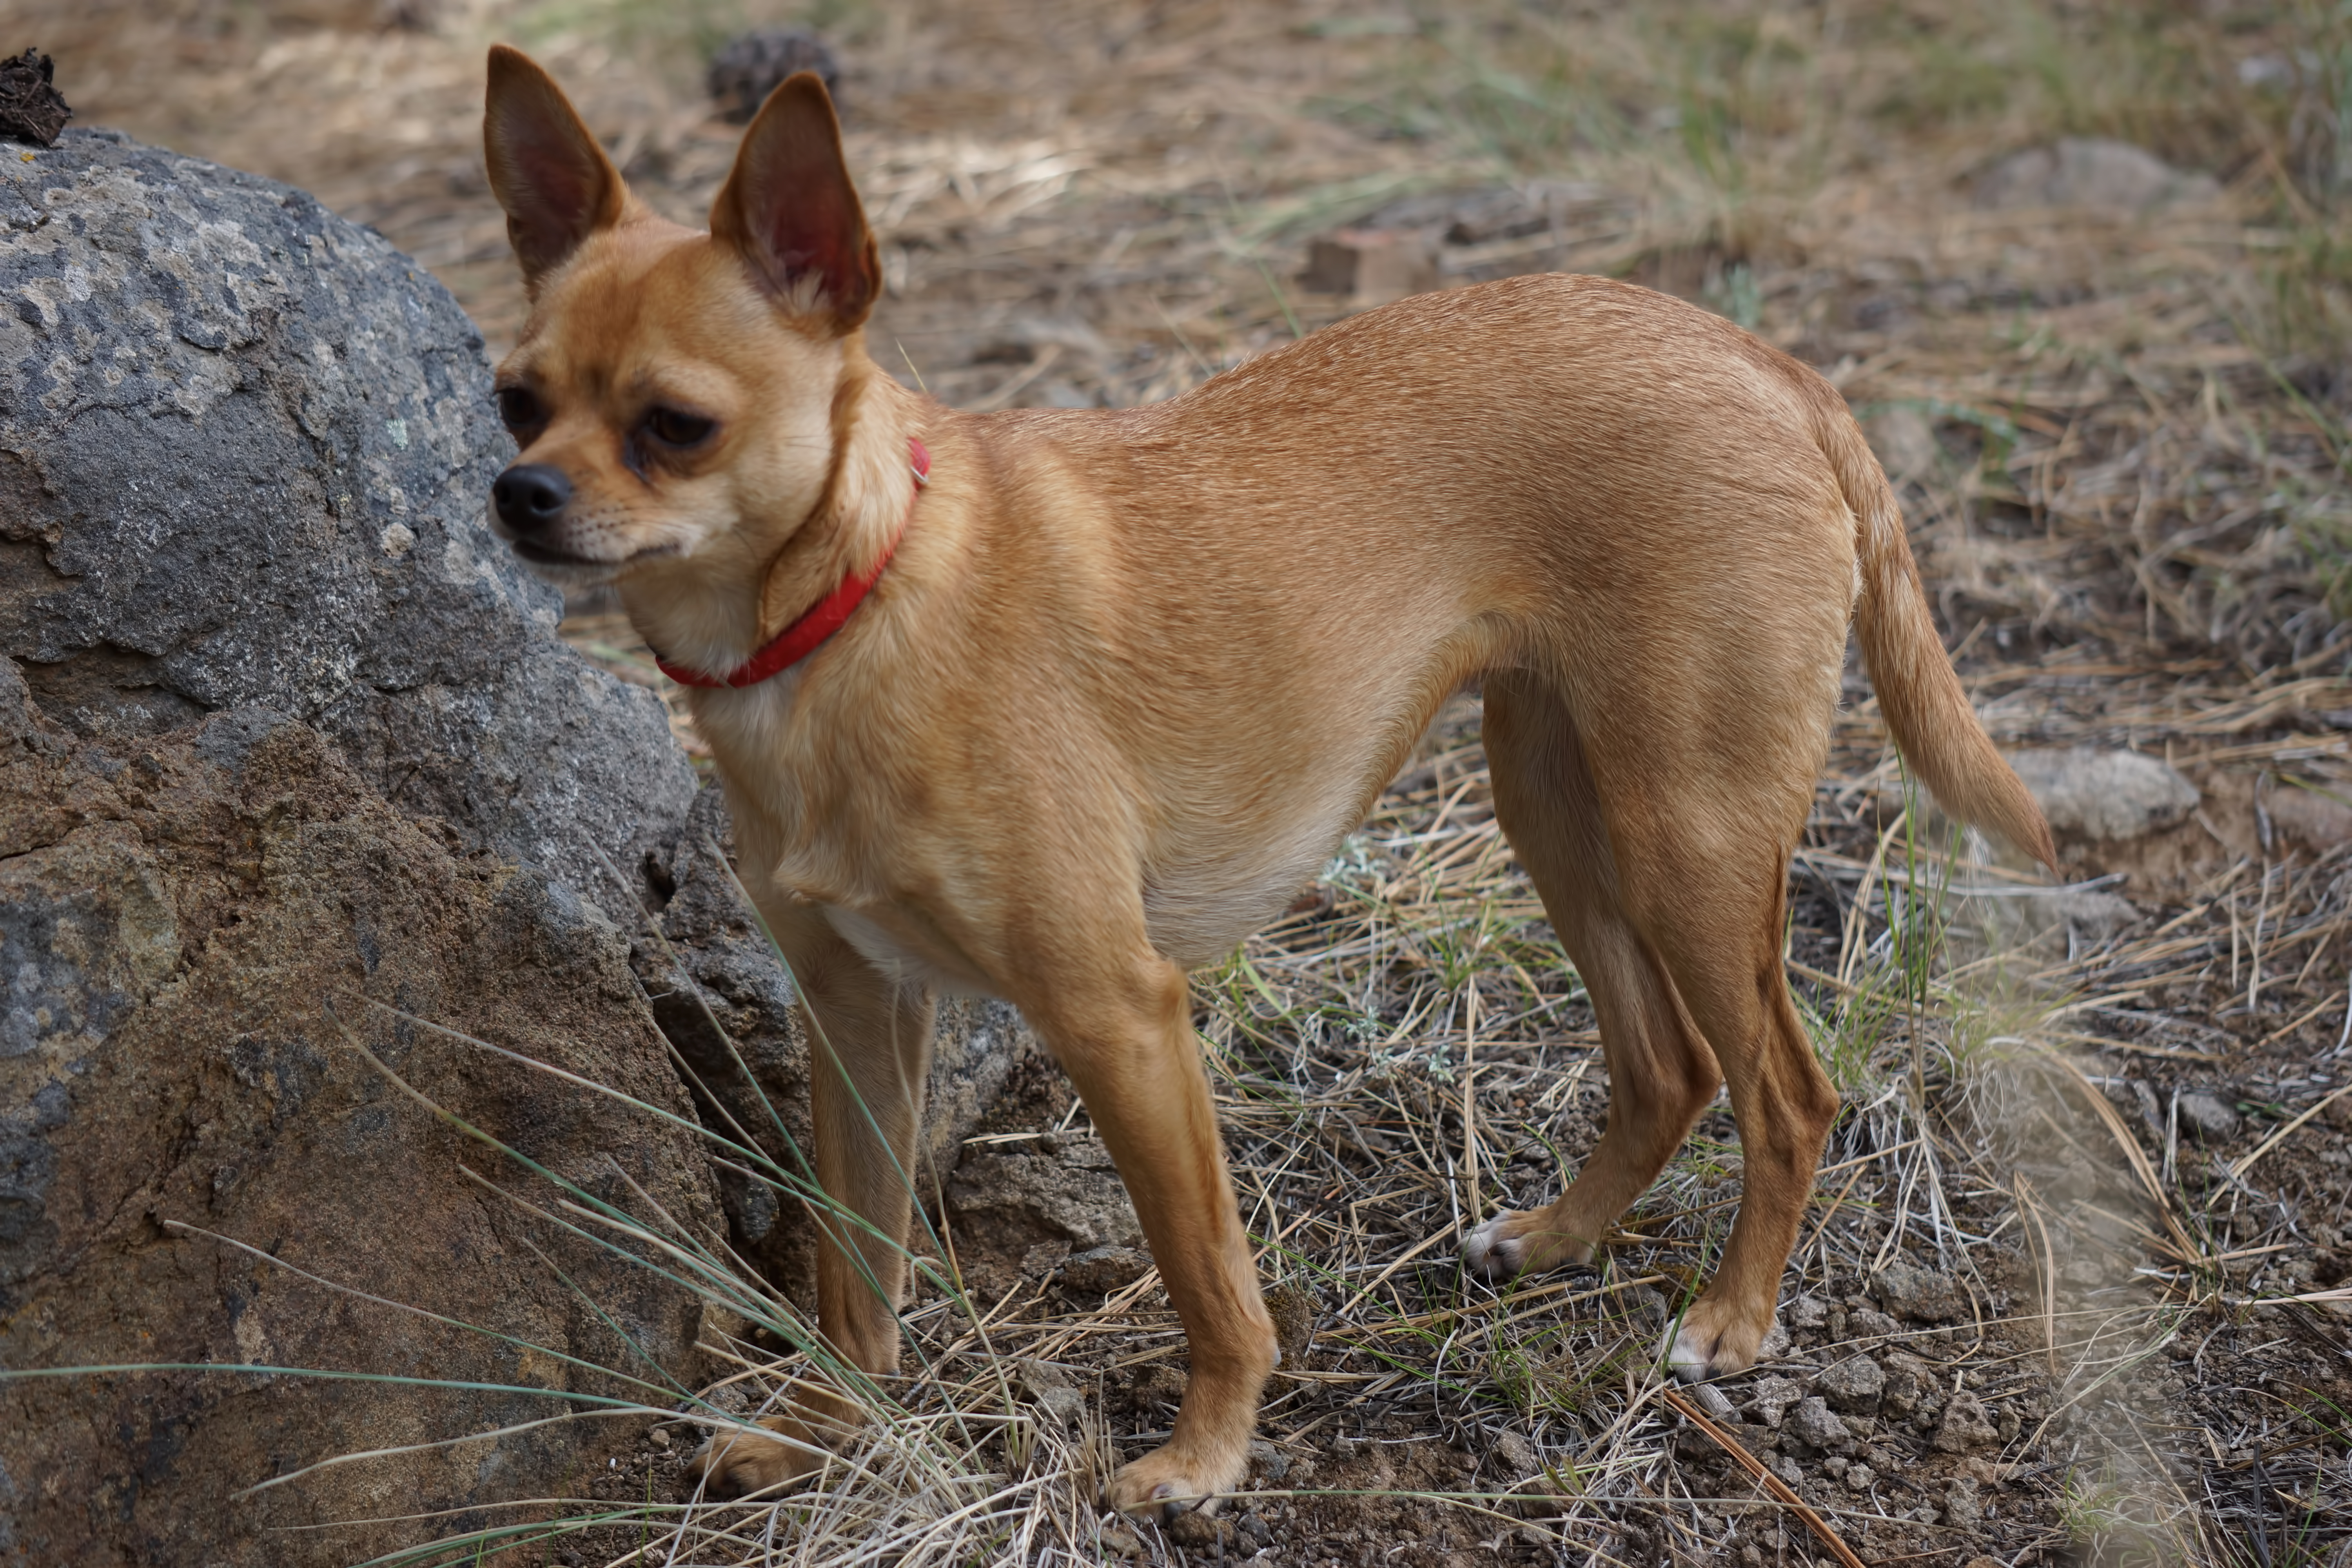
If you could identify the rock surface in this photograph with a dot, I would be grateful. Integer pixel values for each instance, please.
(1063, 1191)
(245, 447)
(187, 922)
(2108, 795)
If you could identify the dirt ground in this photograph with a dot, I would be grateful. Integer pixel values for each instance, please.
(2087, 1219)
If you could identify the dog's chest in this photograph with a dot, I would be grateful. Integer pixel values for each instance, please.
(904, 955)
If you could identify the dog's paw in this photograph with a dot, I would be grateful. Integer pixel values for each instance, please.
(1170, 1481)
(1512, 1244)
(736, 1462)
(1716, 1339)
(1491, 1251)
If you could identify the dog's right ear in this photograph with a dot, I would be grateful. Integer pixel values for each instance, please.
(548, 173)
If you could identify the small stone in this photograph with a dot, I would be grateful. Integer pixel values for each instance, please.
(1813, 1423)
(2093, 917)
(1924, 1295)
(1859, 1477)
(1518, 1455)
(1714, 1402)
(1052, 1391)
(1042, 1259)
(1267, 1460)
(2110, 796)
(1693, 1446)
(1835, 1465)
(1965, 1425)
(658, 1436)
(1774, 1345)
(1963, 1509)
(1120, 1542)
(1771, 1397)
(2090, 171)
(1196, 1528)
(1101, 1271)
(2207, 1117)
(1807, 1312)
(1854, 1384)
(1870, 1323)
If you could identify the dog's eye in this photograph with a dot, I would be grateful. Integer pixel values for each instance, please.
(519, 409)
(674, 428)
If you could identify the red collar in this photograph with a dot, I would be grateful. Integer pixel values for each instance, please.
(820, 621)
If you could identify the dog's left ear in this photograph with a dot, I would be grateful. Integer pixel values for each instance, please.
(789, 210)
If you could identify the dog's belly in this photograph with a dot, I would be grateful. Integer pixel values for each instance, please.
(1199, 907)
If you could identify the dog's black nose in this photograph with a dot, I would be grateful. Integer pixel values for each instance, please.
(531, 496)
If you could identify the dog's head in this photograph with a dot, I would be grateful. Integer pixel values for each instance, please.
(674, 393)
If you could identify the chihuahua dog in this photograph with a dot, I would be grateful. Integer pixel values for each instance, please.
(1055, 706)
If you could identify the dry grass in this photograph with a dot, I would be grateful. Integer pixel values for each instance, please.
(2121, 438)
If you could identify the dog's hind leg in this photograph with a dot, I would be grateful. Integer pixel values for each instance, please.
(1661, 1073)
(1702, 834)
(869, 1063)
(1665, 870)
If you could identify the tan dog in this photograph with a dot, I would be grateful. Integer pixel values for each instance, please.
(1127, 677)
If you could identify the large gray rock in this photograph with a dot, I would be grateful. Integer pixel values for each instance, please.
(245, 447)
(188, 924)
(280, 718)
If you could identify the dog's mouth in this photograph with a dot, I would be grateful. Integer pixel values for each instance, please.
(571, 564)
(548, 556)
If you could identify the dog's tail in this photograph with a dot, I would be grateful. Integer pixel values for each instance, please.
(1919, 692)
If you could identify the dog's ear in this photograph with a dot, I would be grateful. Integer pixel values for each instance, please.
(548, 173)
(789, 210)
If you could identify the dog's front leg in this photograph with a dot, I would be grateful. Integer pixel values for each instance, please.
(1125, 1036)
(869, 1063)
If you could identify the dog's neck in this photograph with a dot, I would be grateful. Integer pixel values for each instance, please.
(716, 609)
